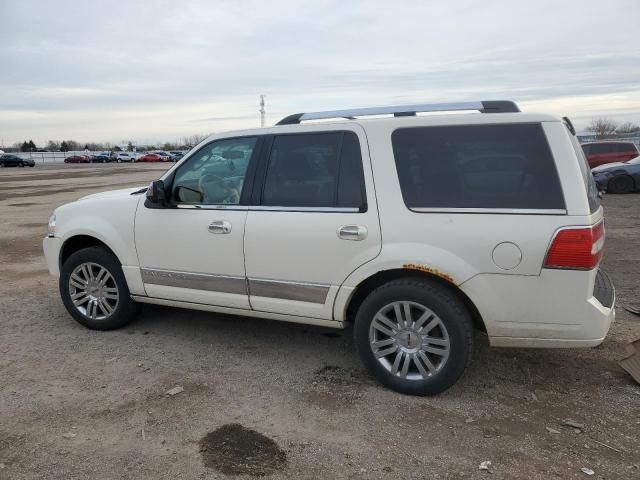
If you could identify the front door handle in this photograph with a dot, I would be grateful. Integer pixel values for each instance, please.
(220, 226)
(352, 232)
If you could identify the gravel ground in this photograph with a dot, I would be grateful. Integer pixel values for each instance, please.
(288, 401)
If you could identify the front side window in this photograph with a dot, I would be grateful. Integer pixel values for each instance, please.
(315, 170)
(507, 166)
(215, 174)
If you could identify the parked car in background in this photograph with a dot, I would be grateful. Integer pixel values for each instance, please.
(8, 160)
(599, 153)
(152, 157)
(125, 157)
(414, 229)
(164, 155)
(175, 156)
(101, 158)
(619, 177)
(77, 159)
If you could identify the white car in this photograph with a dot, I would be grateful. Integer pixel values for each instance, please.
(415, 229)
(125, 157)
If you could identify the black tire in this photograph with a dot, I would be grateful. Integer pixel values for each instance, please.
(125, 310)
(621, 184)
(444, 304)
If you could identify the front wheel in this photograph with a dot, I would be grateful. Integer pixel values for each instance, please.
(21, 164)
(415, 336)
(94, 290)
(621, 184)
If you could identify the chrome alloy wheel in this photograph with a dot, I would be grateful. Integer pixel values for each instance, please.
(409, 340)
(93, 291)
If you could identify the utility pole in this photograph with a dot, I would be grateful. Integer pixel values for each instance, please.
(262, 111)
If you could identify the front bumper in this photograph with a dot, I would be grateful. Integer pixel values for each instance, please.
(51, 247)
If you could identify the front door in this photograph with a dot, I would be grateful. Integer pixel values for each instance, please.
(314, 221)
(193, 251)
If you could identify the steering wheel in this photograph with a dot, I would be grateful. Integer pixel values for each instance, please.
(216, 190)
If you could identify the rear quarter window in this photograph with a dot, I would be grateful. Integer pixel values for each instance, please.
(587, 177)
(500, 166)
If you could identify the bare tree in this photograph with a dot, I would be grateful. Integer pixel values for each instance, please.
(53, 146)
(602, 127)
(628, 127)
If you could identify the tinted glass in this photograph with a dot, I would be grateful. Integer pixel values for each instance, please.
(477, 166)
(606, 147)
(351, 182)
(215, 174)
(314, 170)
(627, 148)
(589, 182)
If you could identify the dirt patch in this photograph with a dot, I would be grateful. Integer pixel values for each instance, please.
(235, 450)
(23, 204)
(335, 375)
(33, 225)
(14, 275)
(19, 249)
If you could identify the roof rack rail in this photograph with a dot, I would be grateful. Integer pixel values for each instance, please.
(491, 106)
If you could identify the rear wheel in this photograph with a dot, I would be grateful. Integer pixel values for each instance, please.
(415, 336)
(94, 290)
(621, 184)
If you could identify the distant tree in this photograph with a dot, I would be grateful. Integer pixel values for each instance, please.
(64, 147)
(129, 147)
(24, 147)
(53, 146)
(117, 149)
(628, 127)
(602, 127)
(72, 146)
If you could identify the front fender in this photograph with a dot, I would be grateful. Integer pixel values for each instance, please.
(110, 220)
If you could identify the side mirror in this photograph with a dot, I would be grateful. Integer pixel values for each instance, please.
(156, 194)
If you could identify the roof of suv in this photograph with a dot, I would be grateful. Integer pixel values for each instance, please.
(503, 107)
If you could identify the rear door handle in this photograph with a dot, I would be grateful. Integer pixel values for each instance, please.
(220, 226)
(352, 232)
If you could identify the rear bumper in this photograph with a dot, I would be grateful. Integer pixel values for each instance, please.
(557, 309)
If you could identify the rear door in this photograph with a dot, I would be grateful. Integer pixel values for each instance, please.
(314, 219)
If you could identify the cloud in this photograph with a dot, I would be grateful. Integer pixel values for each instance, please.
(159, 69)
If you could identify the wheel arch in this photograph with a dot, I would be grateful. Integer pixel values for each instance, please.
(78, 242)
(369, 284)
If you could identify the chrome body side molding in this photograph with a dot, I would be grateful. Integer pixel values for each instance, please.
(195, 281)
(259, 287)
(302, 292)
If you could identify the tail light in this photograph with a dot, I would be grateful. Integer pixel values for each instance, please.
(576, 248)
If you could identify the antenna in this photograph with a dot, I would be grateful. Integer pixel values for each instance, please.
(262, 111)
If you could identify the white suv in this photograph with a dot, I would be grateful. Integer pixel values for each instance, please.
(416, 229)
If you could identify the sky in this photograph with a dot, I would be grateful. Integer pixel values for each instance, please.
(158, 70)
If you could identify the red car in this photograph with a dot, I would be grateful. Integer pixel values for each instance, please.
(152, 157)
(77, 159)
(599, 153)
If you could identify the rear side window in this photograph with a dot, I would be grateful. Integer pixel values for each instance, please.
(477, 166)
(315, 170)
